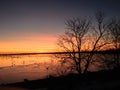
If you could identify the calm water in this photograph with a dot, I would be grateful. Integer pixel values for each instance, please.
(15, 68)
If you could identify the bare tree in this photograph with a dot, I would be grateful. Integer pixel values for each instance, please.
(79, 31)
(114, 27)
(72, 42)
(100, 36)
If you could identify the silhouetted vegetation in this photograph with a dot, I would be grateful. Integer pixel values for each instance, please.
(114, 27)
(85, 35)
(105, 79)
(72, 42)
(85, 44)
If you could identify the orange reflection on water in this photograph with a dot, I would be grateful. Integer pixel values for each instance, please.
(15, 68)
(14, 60)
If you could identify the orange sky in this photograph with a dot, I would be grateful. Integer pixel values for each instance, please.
(30, 25)
(29, 43)
(32, 42)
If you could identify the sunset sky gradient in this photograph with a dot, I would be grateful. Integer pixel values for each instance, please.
(33, 25)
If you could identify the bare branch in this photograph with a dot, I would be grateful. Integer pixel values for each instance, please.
(72, 41)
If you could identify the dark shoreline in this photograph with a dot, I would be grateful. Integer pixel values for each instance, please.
(99, 52)
(100, 80)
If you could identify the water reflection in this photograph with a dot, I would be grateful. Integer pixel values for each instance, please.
(14, 60)
(15, 68)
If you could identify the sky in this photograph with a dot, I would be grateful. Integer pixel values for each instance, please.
(33, 25)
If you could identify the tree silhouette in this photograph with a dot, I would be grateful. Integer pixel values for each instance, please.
(114, 27)
(100, 35)
(72, 42)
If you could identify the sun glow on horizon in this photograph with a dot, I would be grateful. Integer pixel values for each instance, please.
(35, 43)
(31, 43)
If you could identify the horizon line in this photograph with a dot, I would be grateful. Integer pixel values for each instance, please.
(60, 52)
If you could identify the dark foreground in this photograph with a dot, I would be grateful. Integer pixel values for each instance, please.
(102, 80)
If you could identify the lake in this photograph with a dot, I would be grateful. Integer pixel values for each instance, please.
(16, 68)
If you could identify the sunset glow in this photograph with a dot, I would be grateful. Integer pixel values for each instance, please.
(59, 44)
(30, 43)
(32, 26)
